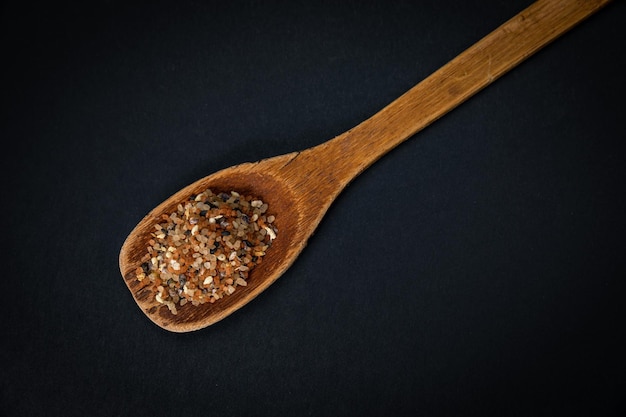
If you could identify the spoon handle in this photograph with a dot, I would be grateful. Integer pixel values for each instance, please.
(341, 159)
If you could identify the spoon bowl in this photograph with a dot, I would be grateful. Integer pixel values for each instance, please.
(251, 179)
(299, 187)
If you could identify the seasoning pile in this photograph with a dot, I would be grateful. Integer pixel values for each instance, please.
(206, 249)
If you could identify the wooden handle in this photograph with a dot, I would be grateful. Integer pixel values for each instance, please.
(347, 155)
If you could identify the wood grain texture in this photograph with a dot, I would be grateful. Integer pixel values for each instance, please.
(300, 187)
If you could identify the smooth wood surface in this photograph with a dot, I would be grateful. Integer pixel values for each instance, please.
(300, 187)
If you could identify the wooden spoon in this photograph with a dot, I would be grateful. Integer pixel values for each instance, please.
(299, 187)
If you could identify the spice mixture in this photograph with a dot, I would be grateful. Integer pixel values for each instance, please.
(205, 250)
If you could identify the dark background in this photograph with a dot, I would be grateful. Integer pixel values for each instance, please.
(475, 270)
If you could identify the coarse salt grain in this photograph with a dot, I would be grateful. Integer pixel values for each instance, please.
(206, 248)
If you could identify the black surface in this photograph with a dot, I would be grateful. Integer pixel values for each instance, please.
(475, 270)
